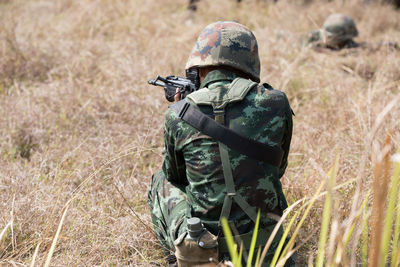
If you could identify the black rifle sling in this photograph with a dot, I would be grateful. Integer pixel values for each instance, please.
(251, 148)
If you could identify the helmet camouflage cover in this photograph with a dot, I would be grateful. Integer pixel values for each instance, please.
(339, 29)
(227, 43)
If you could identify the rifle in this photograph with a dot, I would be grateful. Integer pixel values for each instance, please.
(171, 83)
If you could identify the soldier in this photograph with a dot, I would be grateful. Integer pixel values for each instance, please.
(193, 4)
(395, 3)
(337, 33)
(210, 178)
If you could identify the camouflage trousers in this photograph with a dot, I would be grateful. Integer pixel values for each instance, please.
(168, 213)
(168, 210)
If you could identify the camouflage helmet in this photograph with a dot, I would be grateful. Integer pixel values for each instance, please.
(227, 43)
(339, 29)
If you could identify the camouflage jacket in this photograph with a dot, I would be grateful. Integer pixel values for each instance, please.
(192, 161)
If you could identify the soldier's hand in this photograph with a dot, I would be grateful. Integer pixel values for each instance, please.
(177, 96)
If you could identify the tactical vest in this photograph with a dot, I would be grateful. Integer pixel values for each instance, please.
(236, 92)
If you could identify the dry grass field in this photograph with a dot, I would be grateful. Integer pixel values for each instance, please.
(81, 130)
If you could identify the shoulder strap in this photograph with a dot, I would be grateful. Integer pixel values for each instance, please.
(236, 91)
(254, 149)
(231, 193)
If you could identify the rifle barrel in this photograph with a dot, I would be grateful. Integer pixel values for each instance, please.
(155, 82)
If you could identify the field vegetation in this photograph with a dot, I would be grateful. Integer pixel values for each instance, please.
(81, 130)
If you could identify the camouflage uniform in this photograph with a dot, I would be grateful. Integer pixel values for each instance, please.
(337, 33)
(191, 183)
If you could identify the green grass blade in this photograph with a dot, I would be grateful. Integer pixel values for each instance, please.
(326, 215)
(230, 242)
(253, 241)
(283, 239)
(303, 201)
(390, 211)
(302, 220)
(239, 262)
(396, 258)
(324, 231)
(258, 257)
(353, 226)
(291, 242)
(364, 238)
(396, 233)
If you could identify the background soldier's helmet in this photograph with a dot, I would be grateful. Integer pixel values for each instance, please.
(227, 43)
(339, 29)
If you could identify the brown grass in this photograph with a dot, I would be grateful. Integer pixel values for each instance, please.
(78, 120)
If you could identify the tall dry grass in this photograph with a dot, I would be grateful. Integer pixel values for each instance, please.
(80, 125)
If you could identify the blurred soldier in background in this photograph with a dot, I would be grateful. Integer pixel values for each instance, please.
(193, 4)
(210, 178)
(337, 33)
(395, 3)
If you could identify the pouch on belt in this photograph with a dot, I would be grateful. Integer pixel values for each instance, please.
(197, 247)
